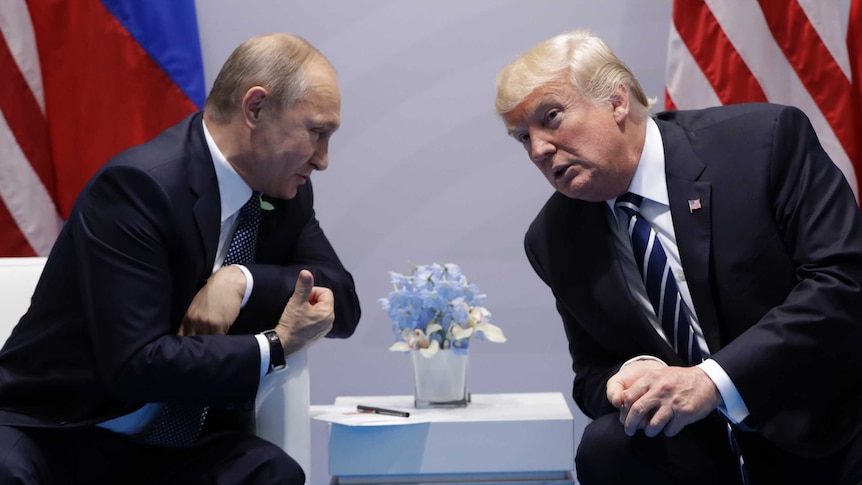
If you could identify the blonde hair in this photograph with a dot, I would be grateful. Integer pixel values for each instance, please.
(275, 62)
(581, 57)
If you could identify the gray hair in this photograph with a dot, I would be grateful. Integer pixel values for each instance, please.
(275, 62)
(588, 63)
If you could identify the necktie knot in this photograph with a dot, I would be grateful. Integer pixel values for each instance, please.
(629, 203)
(251, 206)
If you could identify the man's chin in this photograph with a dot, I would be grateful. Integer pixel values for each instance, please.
(288, 194)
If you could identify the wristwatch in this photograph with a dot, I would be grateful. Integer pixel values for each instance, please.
(276, 351)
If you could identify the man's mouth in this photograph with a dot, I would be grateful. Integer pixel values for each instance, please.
(560, 171)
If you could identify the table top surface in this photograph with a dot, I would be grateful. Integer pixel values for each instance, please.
(482, 407)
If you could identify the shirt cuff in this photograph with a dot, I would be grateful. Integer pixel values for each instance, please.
(249, 284)
(263, 343)
(732, 406)
(642, 357)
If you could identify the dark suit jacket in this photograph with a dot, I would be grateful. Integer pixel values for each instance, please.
(773, 260)
(100, 337)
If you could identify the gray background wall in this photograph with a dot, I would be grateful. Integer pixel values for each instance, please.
(422, 170)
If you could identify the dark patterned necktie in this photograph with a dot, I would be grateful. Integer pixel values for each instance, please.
(178, 425)
(663, 293)
(241, 250)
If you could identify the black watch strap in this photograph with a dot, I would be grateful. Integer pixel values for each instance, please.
(276, 351)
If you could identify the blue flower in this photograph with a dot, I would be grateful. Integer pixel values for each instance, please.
(435, 307)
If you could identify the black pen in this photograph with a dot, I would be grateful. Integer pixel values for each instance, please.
(389, 412)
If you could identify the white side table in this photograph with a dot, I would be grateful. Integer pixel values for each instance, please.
(524, 438)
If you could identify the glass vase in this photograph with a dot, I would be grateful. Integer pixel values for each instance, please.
(440, 381)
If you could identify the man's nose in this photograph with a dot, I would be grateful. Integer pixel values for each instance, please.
(321, 161)
(540, 147)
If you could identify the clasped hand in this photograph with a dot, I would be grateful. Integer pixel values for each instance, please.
(657, 398)
(306, 318)
(215, 306)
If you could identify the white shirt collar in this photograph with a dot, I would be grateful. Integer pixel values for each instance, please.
(649, 180)
(233, 191)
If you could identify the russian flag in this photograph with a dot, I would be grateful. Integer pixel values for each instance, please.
(81, 81)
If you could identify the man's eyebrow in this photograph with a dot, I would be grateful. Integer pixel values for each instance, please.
(530, 111)
(327, 125)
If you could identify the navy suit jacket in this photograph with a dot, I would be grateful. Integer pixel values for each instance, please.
(100, 337)
(773, 260)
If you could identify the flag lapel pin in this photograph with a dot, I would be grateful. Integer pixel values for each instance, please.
(693, 205)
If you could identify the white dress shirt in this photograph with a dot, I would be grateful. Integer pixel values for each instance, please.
(650, 183)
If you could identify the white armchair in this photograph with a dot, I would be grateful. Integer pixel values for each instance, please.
(282, 406)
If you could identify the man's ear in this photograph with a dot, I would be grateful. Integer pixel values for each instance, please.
(620, 103)
(252, 104)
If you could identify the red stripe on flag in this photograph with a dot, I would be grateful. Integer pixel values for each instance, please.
(668, 100)
(854, 50)
(731, 79)
(25, 120)
(103, 93)
(826, 84)
(13, 242)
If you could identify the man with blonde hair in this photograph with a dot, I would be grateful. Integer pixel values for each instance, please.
(184, 276)
(707, 266)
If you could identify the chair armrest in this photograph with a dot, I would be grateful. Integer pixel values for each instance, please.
(18, 278)
(282, 410)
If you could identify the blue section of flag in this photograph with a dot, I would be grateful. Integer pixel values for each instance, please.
(168, 31)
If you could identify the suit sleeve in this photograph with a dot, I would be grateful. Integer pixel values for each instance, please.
(593, 365)
(798, 367)
(127, 247)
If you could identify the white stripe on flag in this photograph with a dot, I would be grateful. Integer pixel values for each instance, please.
(24, 195)
(17, 28)
(825, 17)
(686, 83)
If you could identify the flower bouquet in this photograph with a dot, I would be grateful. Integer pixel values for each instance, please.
(434, 307)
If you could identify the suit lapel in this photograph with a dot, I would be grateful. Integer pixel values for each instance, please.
(589, 274)
(690, 207)
(204, 187)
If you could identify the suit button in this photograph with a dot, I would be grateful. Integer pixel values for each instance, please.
(247, 406)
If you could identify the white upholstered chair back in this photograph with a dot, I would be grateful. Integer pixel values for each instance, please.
(282, 405)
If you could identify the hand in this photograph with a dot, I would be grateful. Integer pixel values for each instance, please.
(657, 398)
(215, 306)
(308, 315)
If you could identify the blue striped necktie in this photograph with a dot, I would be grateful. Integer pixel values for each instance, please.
(660, 283)
(664, 296)
(180, 424)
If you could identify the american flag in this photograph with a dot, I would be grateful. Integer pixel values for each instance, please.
(795, 52)
(82, 80)
(694, 205)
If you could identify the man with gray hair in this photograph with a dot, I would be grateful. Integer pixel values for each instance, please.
(185, 274)
(707, 266)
